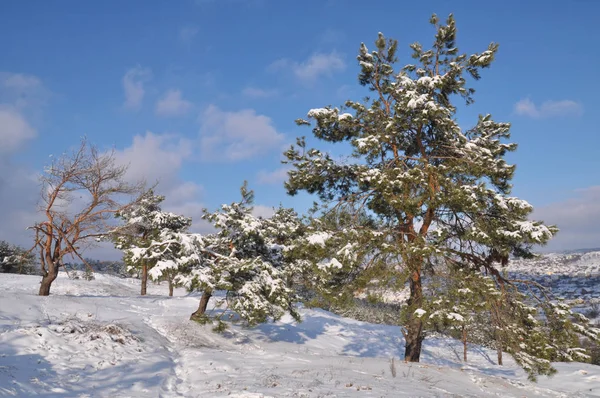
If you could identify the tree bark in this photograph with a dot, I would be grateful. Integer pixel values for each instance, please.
(199, 313)
(499, 350)
(464, 339)
(170, 287)
(414, 340)
(496, 321)
(414, 329)
(47, 280)
(144, 279)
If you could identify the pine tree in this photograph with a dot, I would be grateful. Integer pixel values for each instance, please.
(144, 222)
(456, 304)
(15, 259)
(248, 257)
(440, 195)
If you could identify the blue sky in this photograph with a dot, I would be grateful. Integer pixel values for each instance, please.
(203, 94)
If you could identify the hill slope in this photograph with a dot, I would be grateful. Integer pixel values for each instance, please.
(100, 339)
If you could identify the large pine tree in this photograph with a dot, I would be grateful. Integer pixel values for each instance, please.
(439, 194)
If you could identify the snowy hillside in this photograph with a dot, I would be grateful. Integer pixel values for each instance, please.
(100, 339)
(574, 264)
(574, 276)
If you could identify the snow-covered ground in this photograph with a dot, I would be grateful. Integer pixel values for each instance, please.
(101, 339)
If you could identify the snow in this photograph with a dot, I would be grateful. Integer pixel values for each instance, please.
(419, 312)
(320, 112)
(318, 238)
(100, 339)
(456, 317)
(333, 263)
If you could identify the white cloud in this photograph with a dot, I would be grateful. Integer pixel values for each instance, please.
(19, 192)
(273, 177)
(19, 81)
(133, 86)
(187, 34)
(22, 91)
(263, 211)
(254, 92)
(237, 135)
(317, 65)
(154, 157)
(548, 109)
(14, 130)
(159, 158)
(172, 104)
(20, 96)
(577, 218)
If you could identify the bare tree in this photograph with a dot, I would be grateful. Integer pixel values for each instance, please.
(81, 191)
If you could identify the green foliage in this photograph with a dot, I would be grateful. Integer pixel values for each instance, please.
(88, 274)
(203, 319)
(15, 259)
(249, 258)
(144, 222)
(220, 326)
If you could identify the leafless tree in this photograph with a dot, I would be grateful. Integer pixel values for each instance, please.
(81, 191)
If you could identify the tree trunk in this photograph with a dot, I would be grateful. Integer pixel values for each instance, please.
(499, 350)
(414, 340)
(47, 280)
(496, 321)
(414, 329)
(170, 287)
(464, 339)
(144, 278)
(199, 313)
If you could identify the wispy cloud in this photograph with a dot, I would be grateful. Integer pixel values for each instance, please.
(234, 136)
(22, 91)
(141, 156)
(21, 96)
(172, 104)
(263, 211)
(254, 92)
(14, 130)
(577, 218)
(182, 197)
(548, 109)
(273, 177)
(188, 33)
(316, 66)
(19, 191)
(245, 3)
(332, 36)
(133, 86)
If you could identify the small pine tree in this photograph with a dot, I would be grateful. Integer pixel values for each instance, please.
(248, 258)
(144, 223)
(456, 304)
